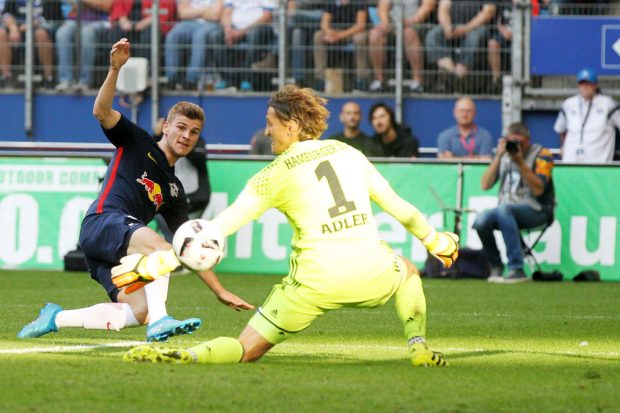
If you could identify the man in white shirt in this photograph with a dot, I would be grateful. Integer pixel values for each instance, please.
(586, 123)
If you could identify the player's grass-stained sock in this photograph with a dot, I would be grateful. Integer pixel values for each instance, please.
(411, 307)
(217, 351)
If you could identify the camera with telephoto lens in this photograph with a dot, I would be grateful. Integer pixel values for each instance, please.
(512, 146)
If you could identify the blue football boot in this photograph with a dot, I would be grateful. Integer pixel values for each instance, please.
(166, 327)
(43, 324)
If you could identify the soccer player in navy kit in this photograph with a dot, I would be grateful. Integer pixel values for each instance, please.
(139, 183)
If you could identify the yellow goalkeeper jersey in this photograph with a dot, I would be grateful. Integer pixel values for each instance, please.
(324, 188)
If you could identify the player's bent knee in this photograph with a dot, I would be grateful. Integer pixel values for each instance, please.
(137, 302)
(254, 345)
(145, 241)
(411, 267)
(252, 354)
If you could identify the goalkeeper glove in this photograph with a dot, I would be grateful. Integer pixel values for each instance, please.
(443, 245)
(137, 270)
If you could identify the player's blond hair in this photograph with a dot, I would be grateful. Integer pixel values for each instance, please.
(304, 106)
(188, 109)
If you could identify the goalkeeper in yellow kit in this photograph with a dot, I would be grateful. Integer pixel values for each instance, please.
(324, 188)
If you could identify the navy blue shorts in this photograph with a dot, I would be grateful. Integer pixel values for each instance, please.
(104, 238)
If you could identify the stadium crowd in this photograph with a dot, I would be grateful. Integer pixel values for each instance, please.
(232, 45)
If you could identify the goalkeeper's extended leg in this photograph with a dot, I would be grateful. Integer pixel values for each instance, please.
(411, 309)
(217, 351)
(249, 347)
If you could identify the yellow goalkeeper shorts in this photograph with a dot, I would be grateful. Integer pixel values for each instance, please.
(291, 307)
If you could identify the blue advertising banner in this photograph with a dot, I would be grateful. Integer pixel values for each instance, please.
(565, 45)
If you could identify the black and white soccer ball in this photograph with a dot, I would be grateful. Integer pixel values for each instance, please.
(198, 244)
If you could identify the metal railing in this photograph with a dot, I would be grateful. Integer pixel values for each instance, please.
(291, 48)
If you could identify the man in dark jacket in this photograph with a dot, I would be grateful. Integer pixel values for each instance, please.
(396, 140)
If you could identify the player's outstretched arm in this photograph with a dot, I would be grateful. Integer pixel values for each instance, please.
(443, 245)
(223, 295)
(102, 108)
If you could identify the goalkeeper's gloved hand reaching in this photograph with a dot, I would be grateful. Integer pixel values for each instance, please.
(137, 270)
(443, 245)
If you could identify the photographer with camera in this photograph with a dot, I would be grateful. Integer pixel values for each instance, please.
(526, 199)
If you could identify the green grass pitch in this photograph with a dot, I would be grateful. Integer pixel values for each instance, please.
(512, 348)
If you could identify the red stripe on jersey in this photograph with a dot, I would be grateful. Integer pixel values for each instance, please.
(117, 160)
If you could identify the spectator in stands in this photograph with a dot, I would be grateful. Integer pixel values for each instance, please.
(199, 27)
(396, 140)
(131, 19)
(350, 117)
(247, 22)
(578, 7)
(526, 199)
(5, 56)
(586, 123)
(462, 26)
(415, 14)
(343, 26)
(465, 140)
(304, 19)
(94, 20)
(499, 40)
(46, 15)
(260, 144)
(5, 53)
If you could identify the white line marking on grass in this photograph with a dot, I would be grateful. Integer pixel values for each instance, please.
(529, 316)
(339, 348)
(66, 349)
(287, 348)
(384, 310)
(550, 353)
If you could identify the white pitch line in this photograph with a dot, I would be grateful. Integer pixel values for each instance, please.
(310, 347)
(65, 349)
(529, 316)
(453, 350)
(384, 310)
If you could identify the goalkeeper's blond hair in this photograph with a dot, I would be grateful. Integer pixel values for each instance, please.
(304, 106)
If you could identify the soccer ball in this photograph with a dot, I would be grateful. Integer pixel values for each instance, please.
(198, 244)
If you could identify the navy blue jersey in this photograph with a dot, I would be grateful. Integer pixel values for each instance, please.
(139, 181)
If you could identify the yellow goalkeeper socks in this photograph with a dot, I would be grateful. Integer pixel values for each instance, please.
(219, 350)
(411, 306)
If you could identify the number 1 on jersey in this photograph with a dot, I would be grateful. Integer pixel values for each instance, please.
(342, 206)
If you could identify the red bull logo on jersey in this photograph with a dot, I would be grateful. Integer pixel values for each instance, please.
(153, 190)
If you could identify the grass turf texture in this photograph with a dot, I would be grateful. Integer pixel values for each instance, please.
(512, 348)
